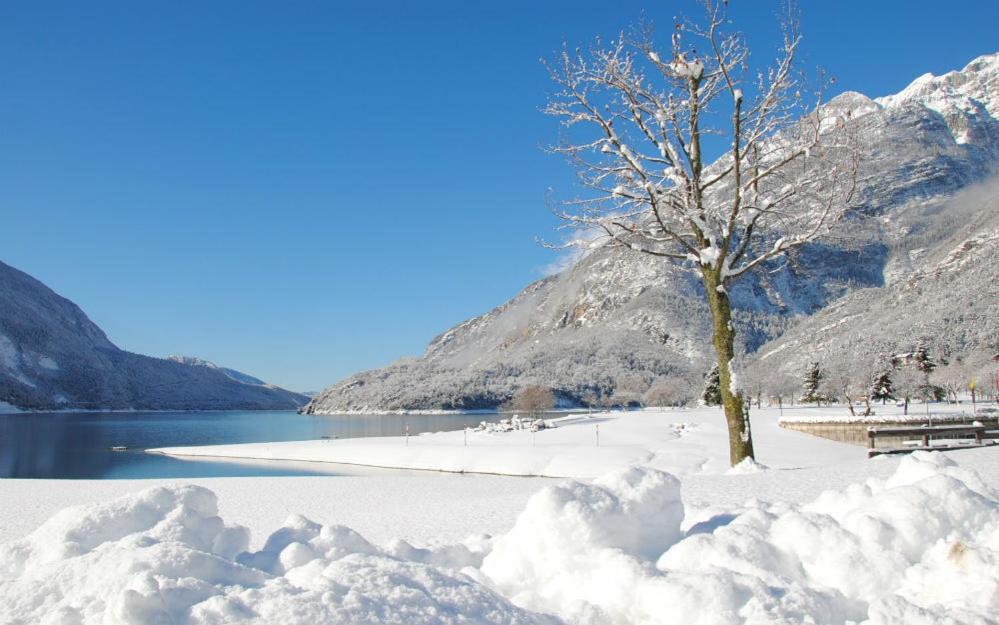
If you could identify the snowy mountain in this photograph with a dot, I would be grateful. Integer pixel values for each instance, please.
(943, 292)
(617, 320)
(239, 376)
(53, 357)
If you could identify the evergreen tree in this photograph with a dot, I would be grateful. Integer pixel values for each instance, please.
(811, 384)
(922, 361)
(882, 388)
(925, 365)
(711, 395)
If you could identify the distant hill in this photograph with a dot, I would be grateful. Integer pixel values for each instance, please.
(53, 357)
(239, 376)
(618, 320)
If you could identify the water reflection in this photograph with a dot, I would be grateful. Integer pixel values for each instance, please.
(78, 445)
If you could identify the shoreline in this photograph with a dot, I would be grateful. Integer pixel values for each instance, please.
(683, 442)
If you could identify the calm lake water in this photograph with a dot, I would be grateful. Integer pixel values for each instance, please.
(78, 445)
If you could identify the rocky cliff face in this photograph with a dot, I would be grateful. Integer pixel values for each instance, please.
(617, 320)
(53, 357)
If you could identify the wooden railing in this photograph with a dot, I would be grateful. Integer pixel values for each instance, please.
(962, 437)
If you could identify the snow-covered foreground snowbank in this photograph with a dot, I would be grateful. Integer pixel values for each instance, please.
(581, 446)
(921, 546)
(424, 508)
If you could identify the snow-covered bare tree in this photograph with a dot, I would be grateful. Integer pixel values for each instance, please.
(953, 378)
(755, 383)
(782, 386)
(850, 374)
(533, 399)
(629, 390)
(908, 382)
(667, 391)
(839, 385)
(638, 124)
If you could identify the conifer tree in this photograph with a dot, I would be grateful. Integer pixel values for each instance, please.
(711, 395)
(925, 365)
(811, 384)
(922, 361)
(882, 387)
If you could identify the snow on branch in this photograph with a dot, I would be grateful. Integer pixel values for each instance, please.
(635, 118)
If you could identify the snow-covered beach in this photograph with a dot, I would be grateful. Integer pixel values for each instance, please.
(681, 441)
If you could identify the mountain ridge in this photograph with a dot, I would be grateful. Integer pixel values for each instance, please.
(53, 357)
(616, 321)
(239, 376)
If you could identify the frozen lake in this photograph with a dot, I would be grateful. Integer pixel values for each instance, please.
(78, 445)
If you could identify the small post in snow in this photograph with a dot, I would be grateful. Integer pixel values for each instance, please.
(598, 434)
(466, 436)
(407, 435)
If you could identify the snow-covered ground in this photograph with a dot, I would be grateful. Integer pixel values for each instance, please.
(424, 508)
(680, 441)
(891, 413)
(920, 546)
(820, 535)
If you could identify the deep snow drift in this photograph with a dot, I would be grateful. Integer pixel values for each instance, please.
(919, 547)
(423, 508)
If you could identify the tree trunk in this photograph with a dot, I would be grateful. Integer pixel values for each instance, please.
(740, 439)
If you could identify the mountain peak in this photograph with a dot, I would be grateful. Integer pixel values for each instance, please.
(238, 376)
(977, 83)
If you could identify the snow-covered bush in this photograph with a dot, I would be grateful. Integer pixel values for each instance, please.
(514, 423)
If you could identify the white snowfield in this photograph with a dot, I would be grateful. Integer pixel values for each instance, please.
(680, 441)
(421, 507)
(892, 413)
(918, 547)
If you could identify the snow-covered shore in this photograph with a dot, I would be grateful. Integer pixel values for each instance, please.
(918, 544)
(680, 441)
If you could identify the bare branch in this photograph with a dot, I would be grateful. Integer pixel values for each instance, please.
(635, 120)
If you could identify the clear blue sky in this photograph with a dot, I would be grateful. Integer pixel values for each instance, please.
(302, 190)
